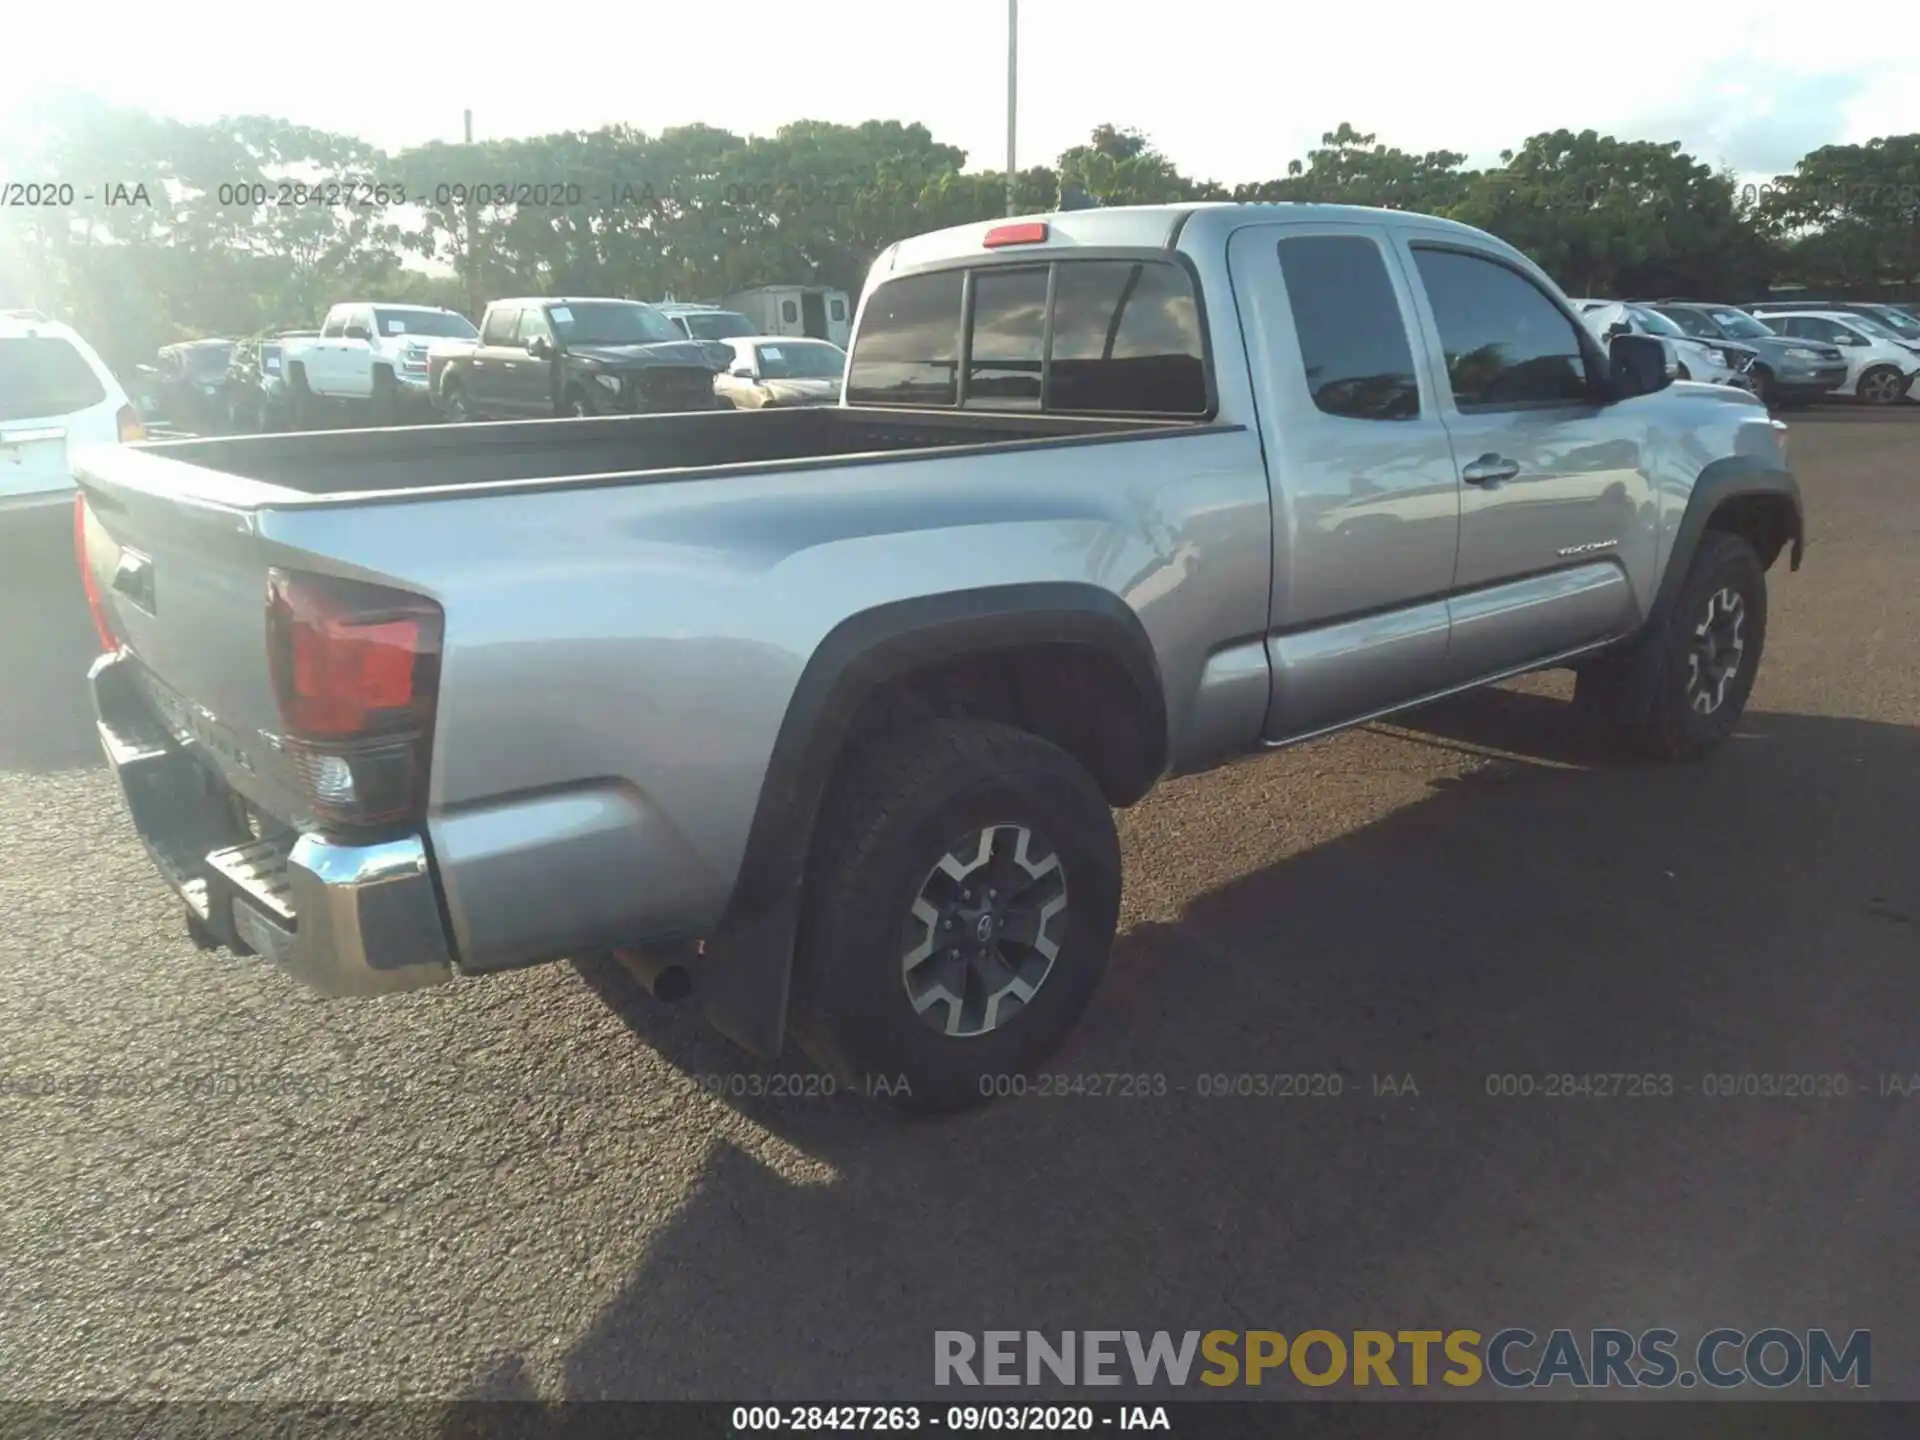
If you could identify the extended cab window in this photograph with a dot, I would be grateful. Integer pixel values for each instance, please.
(1126, 339)
(336, 325)
(501, 320)
(909, 343)
(1506, 343)
(1353, 337)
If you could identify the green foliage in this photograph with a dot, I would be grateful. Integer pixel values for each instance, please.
(253, 223)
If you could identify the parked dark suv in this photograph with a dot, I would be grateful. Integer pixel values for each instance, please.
(257, 399)
(192, 383)
(1787, 372)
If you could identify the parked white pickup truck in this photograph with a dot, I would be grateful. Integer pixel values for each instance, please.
(371, 354)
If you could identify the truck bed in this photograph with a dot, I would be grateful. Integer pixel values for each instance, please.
(404, 462)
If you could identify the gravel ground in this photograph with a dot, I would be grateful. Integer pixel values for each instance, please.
(527, 1187)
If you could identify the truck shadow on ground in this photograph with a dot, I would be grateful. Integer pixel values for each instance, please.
(1561, 910)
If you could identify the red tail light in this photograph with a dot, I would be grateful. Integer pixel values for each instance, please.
(131, 430)
(1033, 233)
(96, 606)
(356, 671)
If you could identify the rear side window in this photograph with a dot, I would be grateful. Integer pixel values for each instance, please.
(1507, 345)
(42, 377)
(909, 346)
(500, 325)
(1009, 326)
(1126, 339)
(1353, 336)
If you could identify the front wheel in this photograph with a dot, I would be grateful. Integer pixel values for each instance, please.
(962, 894)
(1882, 385)
(453, 399)
(579, 404)
(1703, 659)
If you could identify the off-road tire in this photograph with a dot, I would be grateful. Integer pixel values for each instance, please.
(1673, 726)
(892, 815)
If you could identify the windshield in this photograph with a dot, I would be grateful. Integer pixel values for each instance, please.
(611, 322)
(802, 360)
(716, 324)
(42, 377)
(1742, 326)
(434, 324)
(1902, 325)
(1656, 323)
(204, 360)
(1871, 326)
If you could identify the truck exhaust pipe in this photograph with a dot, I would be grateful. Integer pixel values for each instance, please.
(663, 974)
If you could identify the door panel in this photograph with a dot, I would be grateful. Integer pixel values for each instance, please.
(1366, 508)
(1336, 673)
(1562, 484)
(1515, 624)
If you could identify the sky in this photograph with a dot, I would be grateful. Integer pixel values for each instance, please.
(1229, 91)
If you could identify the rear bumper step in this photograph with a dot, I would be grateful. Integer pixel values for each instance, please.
(344, 919)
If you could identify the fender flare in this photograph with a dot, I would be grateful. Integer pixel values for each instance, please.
(746, 968)
(1724, 479)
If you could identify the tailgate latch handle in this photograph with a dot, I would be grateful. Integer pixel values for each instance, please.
(133, 578)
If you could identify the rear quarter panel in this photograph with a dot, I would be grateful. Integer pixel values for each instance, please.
(622, 657)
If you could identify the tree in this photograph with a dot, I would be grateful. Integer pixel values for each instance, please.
(1849, 215)
(1351, 168)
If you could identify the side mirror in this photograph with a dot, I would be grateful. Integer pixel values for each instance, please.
(1618, 328)
(540, 347)
(357, 332)
(1641, 364)
(741, 372)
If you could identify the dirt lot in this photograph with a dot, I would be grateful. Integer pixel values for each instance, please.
(526, 1186)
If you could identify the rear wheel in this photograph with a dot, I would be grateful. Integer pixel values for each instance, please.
(1704, 658)
(962, 894)
(1882, 385)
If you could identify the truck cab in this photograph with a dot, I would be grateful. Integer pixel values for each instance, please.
(542, 356)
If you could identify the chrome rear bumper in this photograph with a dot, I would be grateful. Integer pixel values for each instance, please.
(343, 919)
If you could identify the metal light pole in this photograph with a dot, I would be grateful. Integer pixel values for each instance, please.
(1013, 90)
(473, 257)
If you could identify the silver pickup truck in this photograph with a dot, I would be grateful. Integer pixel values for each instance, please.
(826, 710)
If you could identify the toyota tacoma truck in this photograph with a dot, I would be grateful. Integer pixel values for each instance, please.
(371, 357)
(824, 713)
(551, 357)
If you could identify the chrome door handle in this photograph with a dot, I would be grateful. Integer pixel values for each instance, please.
(1490, 468)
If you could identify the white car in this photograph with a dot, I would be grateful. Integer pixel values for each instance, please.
(1699, 359)
(1881, 367)
(56, 396)
(780, 371)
